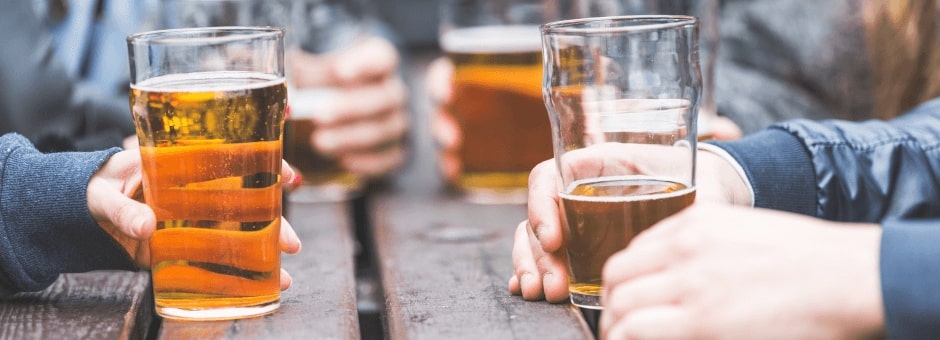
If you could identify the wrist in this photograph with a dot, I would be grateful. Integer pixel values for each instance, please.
(720, 177)
(863, 314)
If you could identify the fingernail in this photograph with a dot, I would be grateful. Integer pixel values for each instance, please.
(295, 177)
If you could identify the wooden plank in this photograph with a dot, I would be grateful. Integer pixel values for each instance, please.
(93, 305)
(445, 265)
(321, 303)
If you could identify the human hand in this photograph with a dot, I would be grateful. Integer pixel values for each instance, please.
(540, 264)
(115, 201)
(723, 128)
(363, 120)
(539, 258)
(444, 129)
(130, 142)
(718, 271)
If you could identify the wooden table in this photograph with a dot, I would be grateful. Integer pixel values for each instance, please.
(321, 304)
(441, 266)
(445, 265)
(96, 305)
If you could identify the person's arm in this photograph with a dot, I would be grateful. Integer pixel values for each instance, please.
(910, 271)
(45, 225)
(845, 171)
(807, 61)
(39, 100)
(866, 171)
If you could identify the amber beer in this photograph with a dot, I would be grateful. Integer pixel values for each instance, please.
(211, 155)
(497, 103)
(324, 173)
(603, 214)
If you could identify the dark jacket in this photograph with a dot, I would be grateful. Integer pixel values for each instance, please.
(45, 226)
(874, 171)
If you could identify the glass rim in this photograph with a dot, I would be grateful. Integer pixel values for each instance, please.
(642, 23)
(203, 35)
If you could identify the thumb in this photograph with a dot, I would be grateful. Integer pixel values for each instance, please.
(132, 218)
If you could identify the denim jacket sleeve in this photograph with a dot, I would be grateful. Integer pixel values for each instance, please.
(45, 226)
(874, 171)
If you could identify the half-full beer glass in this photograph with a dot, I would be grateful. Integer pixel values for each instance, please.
(209, 105)
(622, 95)
(495, 48)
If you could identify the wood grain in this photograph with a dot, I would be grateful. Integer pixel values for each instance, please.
(93, 305)
(445, 265)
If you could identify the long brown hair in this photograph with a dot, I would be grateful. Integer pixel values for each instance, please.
(905, 53)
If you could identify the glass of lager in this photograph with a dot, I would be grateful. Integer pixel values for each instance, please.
(319, 27)
(495, 48)
(622, 95)
(209, 106)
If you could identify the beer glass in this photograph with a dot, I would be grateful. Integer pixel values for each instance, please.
(706, 11)
(622, 95)
(495, 48)
(319, 27)
(312, 26)
(209, 105)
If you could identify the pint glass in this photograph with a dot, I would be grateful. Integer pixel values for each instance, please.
(706, 11)
(208, 105)
(622, 94)
(319, 27)
(495, 48)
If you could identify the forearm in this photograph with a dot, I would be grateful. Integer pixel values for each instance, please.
(847, 171)
(720, 178)
(910, 270)
(45, 226)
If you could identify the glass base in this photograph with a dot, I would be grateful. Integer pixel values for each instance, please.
(225, 313)
(586, 301)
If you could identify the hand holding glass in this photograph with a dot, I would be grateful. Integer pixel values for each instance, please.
(209, 106)
(616, 87)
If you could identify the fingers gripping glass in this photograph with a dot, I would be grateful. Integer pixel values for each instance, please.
(622, 95)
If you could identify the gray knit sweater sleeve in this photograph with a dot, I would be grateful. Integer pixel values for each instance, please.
(45, 226)
(781, 60)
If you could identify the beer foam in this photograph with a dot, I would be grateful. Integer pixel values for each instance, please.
(493, 39)
(209, 82)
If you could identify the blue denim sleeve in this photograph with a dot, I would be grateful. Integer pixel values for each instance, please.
(910, 278)
(45, 226)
